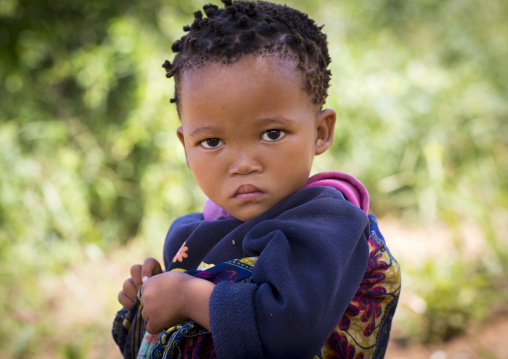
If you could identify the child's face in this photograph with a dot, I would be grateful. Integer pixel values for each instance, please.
(250, 132)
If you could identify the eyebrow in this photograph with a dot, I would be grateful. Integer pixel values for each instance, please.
(276, 120)
(201, 129)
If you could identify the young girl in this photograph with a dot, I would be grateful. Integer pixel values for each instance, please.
(278, 265)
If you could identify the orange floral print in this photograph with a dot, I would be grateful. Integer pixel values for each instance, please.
(151, 338)
(182, 253)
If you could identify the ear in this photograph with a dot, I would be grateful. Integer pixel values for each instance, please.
(325, 125)
(181, 137)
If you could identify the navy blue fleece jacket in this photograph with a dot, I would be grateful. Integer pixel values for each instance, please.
(312, 253)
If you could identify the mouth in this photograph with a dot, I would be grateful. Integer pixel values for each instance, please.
(247, 192)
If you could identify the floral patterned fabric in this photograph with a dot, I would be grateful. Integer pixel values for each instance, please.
(364, 329)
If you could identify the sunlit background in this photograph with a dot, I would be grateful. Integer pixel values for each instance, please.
(92, 174)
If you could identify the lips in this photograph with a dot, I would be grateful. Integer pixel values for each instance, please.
(247, 192)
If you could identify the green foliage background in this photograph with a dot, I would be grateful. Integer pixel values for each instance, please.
(89, 160)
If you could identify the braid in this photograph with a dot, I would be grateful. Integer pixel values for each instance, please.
(243, 28)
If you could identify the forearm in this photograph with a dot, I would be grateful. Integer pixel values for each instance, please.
(197, 294)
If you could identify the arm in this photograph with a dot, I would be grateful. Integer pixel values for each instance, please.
(173, 297)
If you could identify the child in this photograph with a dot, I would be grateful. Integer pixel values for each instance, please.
(278, 265)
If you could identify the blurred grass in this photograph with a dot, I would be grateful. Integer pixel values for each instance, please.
(90, 166)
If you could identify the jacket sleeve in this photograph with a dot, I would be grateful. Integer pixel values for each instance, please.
(312, 258)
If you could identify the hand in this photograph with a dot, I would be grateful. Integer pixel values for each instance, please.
(139, 274)
(173, 297)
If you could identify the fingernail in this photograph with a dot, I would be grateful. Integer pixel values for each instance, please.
(144, 279)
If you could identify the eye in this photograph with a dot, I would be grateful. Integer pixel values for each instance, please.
(212, 143)
(273, 135)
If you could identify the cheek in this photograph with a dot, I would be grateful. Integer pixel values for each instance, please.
(195, 157)
(203, 180)
(297, 156)
(292, 167)
(198, 168)
(205, 171)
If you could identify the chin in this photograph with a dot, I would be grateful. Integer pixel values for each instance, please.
(244, 218)
(248, 215)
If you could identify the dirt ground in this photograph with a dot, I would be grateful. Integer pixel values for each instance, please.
(480, 342)
(484, 342)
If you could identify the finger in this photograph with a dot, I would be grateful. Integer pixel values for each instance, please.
(150, 268)
(130, 289)
(146, 318)
(152, 326)
(136, 275)
(124, 300)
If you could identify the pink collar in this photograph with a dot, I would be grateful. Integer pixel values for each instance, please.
(354, 191)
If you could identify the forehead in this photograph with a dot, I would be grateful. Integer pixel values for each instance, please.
(250, 72)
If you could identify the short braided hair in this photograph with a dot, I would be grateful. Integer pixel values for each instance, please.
(253, 28)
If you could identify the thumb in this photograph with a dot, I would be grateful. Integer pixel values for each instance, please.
(150, 268)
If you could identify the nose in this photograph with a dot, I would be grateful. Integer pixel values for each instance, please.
(244, 163)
